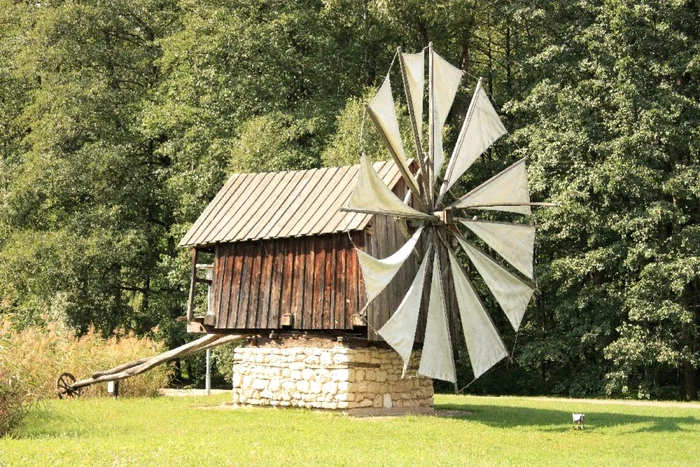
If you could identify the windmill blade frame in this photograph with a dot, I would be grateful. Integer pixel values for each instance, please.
(513, 242)
(506, 191)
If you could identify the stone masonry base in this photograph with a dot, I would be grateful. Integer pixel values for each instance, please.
(327, 375)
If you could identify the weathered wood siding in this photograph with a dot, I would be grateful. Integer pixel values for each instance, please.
(384, 238)
(316, 279)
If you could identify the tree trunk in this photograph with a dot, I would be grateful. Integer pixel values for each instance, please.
(691, 383)
(690, 340)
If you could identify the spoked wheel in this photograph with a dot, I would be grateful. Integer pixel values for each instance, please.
(64, 386)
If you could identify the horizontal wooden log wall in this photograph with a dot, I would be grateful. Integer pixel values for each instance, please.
(316, 279)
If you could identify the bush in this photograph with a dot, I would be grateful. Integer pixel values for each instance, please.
(14, 400)
(35, 356)
(16, 394)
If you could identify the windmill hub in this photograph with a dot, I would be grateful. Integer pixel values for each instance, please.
(445, 216)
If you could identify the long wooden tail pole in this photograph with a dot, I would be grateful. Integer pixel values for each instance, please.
(137, 367)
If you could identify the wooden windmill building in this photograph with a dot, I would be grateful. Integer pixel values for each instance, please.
(341, 274)
(284, 254)
(285, 269)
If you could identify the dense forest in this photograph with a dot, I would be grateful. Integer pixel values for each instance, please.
(120, 120)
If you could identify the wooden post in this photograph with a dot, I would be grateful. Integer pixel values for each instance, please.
(429, 174)
(414, 127)
(207, 377)
(193, 284)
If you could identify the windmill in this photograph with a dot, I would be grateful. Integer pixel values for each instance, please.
(284, 264)
(440, 226)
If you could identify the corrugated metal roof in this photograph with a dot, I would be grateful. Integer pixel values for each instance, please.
(283, 204)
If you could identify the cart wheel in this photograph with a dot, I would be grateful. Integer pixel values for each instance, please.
(63, 386)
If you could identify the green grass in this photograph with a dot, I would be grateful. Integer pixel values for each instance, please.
(173, 431)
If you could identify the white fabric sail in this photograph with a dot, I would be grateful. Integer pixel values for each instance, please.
(372, 196)
(481, 128)
(400, 331)
(484, 345)
(514, 242)
(507, 187)
(445, 82)
(415, 76)
(377, 273)
(383, 113)
(511, 293)
(436, 360)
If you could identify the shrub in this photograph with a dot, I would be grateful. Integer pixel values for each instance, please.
(14, 400)
(15, 393)
(35, 357)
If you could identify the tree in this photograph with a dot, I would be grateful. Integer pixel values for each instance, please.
(85, 210)
(612, 141)
(120, 120)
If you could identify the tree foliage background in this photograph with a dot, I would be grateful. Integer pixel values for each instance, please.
(120, 120)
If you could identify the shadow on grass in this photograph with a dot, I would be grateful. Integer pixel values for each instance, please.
(499, 416)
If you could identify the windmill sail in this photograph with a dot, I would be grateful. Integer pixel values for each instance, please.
(383, 113)
(510, 292)
(377, 273)
(514, 242)
(506, 191)
(481, 128)
(414, 65)
(372, 196)
(437, 360)
(444, 83)
(484, 345)
(400, 331)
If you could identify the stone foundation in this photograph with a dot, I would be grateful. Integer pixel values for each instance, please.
(327, 375)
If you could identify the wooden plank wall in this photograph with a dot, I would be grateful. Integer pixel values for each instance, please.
(316, 279)
(382, 240)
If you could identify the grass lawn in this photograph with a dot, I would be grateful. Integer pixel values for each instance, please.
(171, 431)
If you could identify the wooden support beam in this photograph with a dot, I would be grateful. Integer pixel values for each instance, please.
(137, 367)
(414, 127)
(193, 284)
(119, 368)
(430, 175)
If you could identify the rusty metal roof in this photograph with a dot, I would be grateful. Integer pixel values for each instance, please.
(283, 204)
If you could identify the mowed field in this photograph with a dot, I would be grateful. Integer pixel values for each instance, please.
(172, 431)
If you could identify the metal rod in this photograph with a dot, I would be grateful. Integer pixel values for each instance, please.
(480, 205)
